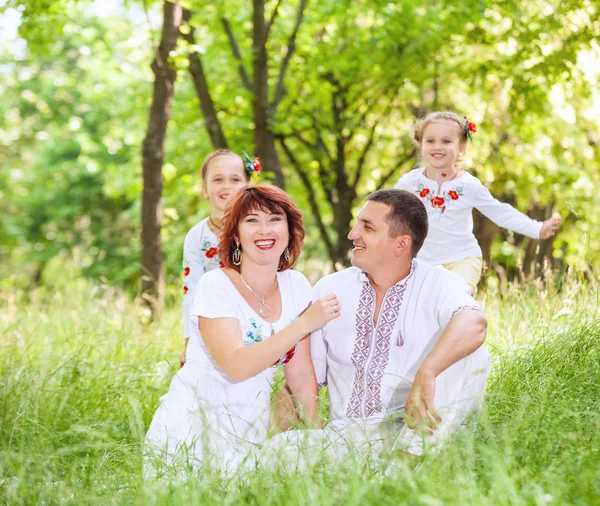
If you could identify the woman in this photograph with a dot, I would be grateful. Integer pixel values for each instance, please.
(252, 318)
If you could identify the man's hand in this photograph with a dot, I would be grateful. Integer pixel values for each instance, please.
(550, 227)
(183, 353)
(419, 408)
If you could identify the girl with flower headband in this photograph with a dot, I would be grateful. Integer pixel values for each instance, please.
(224, 173)
(450, 194)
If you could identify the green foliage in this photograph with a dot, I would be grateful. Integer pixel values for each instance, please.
(75, 106)
(73, 156)
(81, 379)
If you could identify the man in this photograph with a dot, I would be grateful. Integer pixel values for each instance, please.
(409, 336)
(403, 362)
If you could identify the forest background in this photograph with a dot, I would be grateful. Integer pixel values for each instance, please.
(108, 109)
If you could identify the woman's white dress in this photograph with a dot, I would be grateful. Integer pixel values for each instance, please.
(206, 418)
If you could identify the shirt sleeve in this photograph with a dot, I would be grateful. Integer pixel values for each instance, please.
(504, 215)
(193, 269)
(454, 297)
(403, 183)
(302, 291)
(318, 350)
(211, 298)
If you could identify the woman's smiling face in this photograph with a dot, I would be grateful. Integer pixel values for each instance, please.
(263, 236)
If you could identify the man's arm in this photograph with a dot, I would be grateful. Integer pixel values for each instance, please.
(464, 334)
(300, 377)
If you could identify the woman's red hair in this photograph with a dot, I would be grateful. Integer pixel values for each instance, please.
(269, 199)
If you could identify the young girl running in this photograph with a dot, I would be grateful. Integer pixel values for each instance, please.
(450, 194)
(224, 173)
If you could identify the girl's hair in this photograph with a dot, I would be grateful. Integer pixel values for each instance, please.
(439, 116)
(269, 199)
(216, 154)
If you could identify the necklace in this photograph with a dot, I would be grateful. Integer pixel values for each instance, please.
(264, 310)
(210, 220)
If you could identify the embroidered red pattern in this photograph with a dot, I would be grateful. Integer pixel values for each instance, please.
(212, 252)
(437, 201)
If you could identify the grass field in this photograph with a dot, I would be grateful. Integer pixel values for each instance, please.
(81, 377)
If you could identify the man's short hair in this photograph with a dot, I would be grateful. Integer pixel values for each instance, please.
(407, 215)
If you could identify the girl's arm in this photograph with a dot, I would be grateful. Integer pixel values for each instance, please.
(223, 339)
(504, 215)
(300, 377)
(193, 269)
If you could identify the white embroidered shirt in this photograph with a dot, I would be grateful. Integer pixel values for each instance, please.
(370, 369)
(450, 213)
(200, 255)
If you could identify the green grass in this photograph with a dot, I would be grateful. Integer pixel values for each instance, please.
(81, 377)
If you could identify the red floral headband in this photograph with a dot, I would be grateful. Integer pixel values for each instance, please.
(252, 167)
(470, 128)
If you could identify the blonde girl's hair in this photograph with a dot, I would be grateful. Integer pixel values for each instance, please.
(216, 154)
(439, 116)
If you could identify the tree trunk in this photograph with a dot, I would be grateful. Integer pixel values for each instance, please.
(153, 278)
(485, 232)
(538, 251)
(207, 107)
(36, 280)
(263, 137)
(344, 193)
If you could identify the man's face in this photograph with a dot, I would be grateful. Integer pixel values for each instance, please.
(373, 246)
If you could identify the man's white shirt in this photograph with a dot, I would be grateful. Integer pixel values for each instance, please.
(370, 369)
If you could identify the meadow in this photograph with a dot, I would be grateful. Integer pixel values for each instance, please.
(81, 377)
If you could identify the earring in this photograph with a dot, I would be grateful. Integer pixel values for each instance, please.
(236, 257)
(286, 254)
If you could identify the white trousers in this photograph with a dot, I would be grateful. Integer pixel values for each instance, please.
(458, 398)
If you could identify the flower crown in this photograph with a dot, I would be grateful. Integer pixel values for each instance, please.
(252, 166)
(470, 128)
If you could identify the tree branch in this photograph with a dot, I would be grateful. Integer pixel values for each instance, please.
(318, 123)
(271, 20)
(316, 152)
(291, 47)
(363, 155)
(236, 53)
(207, 107)
(383, 180)
(369, 144)
(147, 14)
(312, 201)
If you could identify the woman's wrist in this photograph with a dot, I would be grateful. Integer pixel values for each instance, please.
(301, 327)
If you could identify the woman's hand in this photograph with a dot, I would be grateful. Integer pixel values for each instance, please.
(322, 311)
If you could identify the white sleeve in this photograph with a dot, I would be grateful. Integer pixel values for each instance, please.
(318, 351)
(454, 297)
(212, 300)
(403, 183)
(302, 291)
(193, 269)
(504, 215)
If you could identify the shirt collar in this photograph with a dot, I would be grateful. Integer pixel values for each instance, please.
(413, 266)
